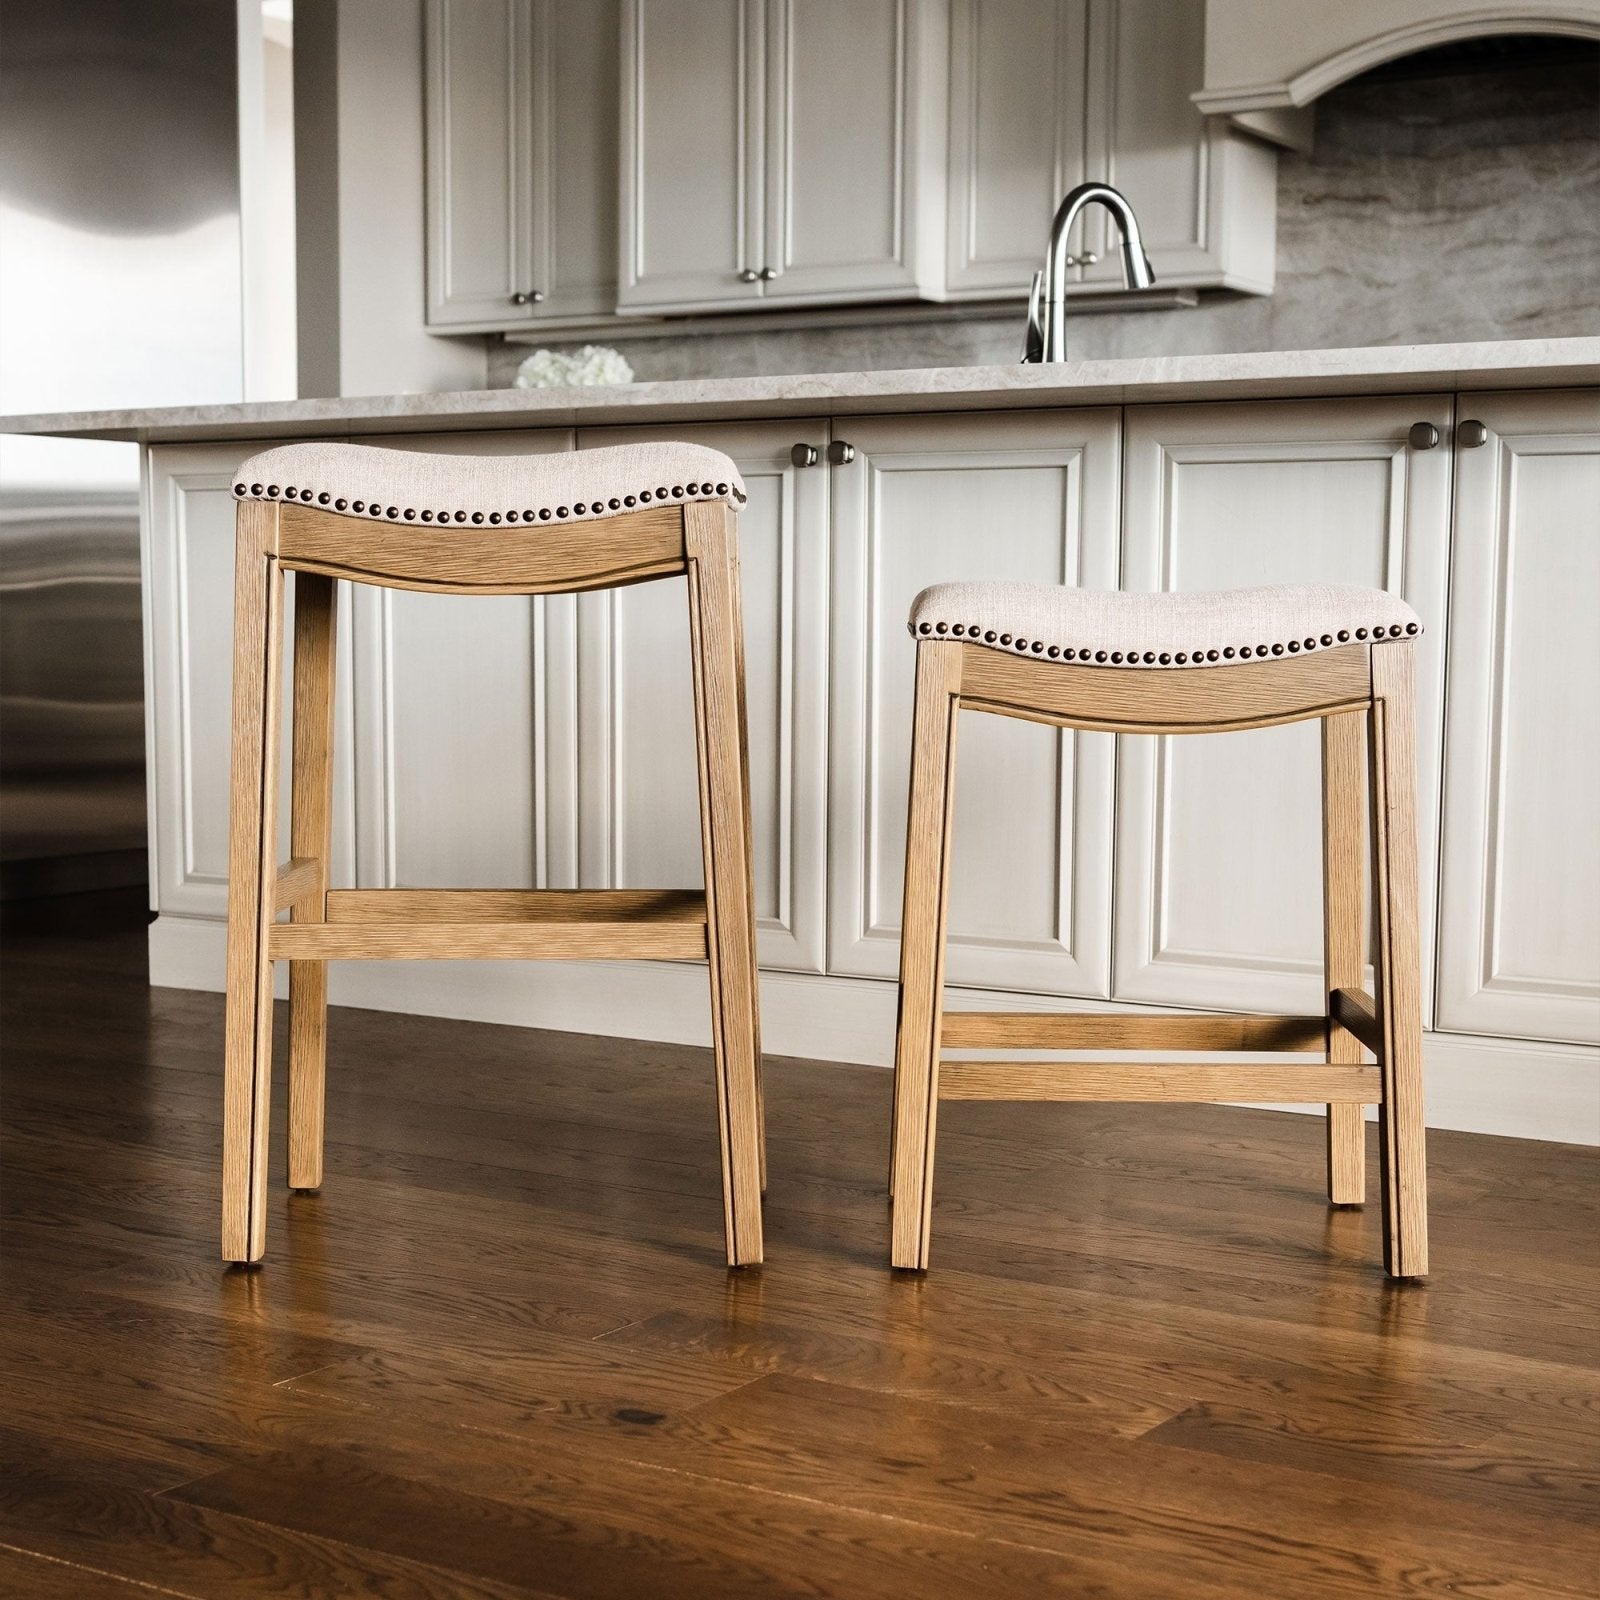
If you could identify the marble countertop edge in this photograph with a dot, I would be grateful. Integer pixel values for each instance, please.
(1289, 374)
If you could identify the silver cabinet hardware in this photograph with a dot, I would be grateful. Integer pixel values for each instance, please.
(767, 274)
(804, 455)
(749, 275)
(529, 297)
(1423, 436)
(1086, 259)
(840, 453)
(1471, 434)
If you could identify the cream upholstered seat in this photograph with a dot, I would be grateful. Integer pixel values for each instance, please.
(1208, 628)
(359, 480)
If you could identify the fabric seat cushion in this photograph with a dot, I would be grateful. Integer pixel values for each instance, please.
(1219, 627)
(366, 481)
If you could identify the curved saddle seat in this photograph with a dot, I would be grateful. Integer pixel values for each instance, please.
(367, 481)
(1222, 627)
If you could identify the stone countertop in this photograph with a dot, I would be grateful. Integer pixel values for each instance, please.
(1284, 374)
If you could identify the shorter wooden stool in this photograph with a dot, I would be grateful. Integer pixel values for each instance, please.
(586, 519)
(1181, 663)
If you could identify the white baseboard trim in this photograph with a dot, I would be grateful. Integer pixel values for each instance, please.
(1520, 1088)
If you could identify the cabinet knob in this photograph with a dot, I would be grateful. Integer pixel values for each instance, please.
(1086, 259)
(1423, 436)
(840, 453)
(527, 297)
(804, 455)
(767, 274)
(1470, 435)
(749, 275)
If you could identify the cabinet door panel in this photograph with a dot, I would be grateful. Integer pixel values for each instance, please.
(692, 107)
(188, 695)
(1028, 497)
(841, 87)
(1519, 949)
(1219, 883)
(450, 706)
(576, 113)
(1205, 195)
(637, 794)
(1017, 73)
(479, 77)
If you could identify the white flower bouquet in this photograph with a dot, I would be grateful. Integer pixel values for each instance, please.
(592, 363)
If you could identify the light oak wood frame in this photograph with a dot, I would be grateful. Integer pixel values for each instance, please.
(1363, 694)
(699, 541)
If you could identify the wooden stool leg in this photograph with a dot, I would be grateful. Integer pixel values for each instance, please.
(725, 831)
(749, 853)
(922, 935)
(252, 872)
(1344, 924)
(1401, 1140)
(310, 837)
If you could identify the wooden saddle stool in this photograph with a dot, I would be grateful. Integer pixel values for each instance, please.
(1182, 663)
(546, 524)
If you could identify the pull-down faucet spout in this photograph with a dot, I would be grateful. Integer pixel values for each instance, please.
(1047, 319)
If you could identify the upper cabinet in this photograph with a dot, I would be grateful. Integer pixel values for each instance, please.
(1046, 94)
(780, 150)
(522, 161)
(590, 157)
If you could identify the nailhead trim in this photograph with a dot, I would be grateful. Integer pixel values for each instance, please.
(975, 631)
(372, 509)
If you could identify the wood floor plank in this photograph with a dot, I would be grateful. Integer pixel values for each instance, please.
(498, 1355)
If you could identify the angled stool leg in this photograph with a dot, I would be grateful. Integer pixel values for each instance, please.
(1344, 924)
(922, 935)
(749, 850)
(725, 829)
(310, 837)
(1401, 1140)
(252, 871)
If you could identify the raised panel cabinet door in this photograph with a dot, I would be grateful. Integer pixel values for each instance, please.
(480, 161)
(1519, 943)
(854, 159)
(1219, 863)
(1027, 496)
(575, 119)
(635, 800)
(1017, 83)
(693, 103)
(1205, 194)
(451, 720)
(188, 623)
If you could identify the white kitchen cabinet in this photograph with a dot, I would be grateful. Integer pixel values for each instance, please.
(1519, 943)
(1204, 191)
(1018, 83)
(521, 99)
(188, 585)
(634, 796)
(1025, 496)
(1046, 94)
(1219, 887)
(780, 150)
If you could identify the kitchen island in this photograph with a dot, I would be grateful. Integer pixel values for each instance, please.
(545, 742)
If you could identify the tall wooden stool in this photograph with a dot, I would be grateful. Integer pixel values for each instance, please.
(546, 524)
(1181, 663)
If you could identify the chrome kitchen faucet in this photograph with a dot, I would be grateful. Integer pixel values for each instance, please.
(1047, 311)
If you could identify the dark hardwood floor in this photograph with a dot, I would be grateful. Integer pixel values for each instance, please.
(499, 1355)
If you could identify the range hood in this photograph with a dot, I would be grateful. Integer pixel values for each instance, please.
(1266, 63)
